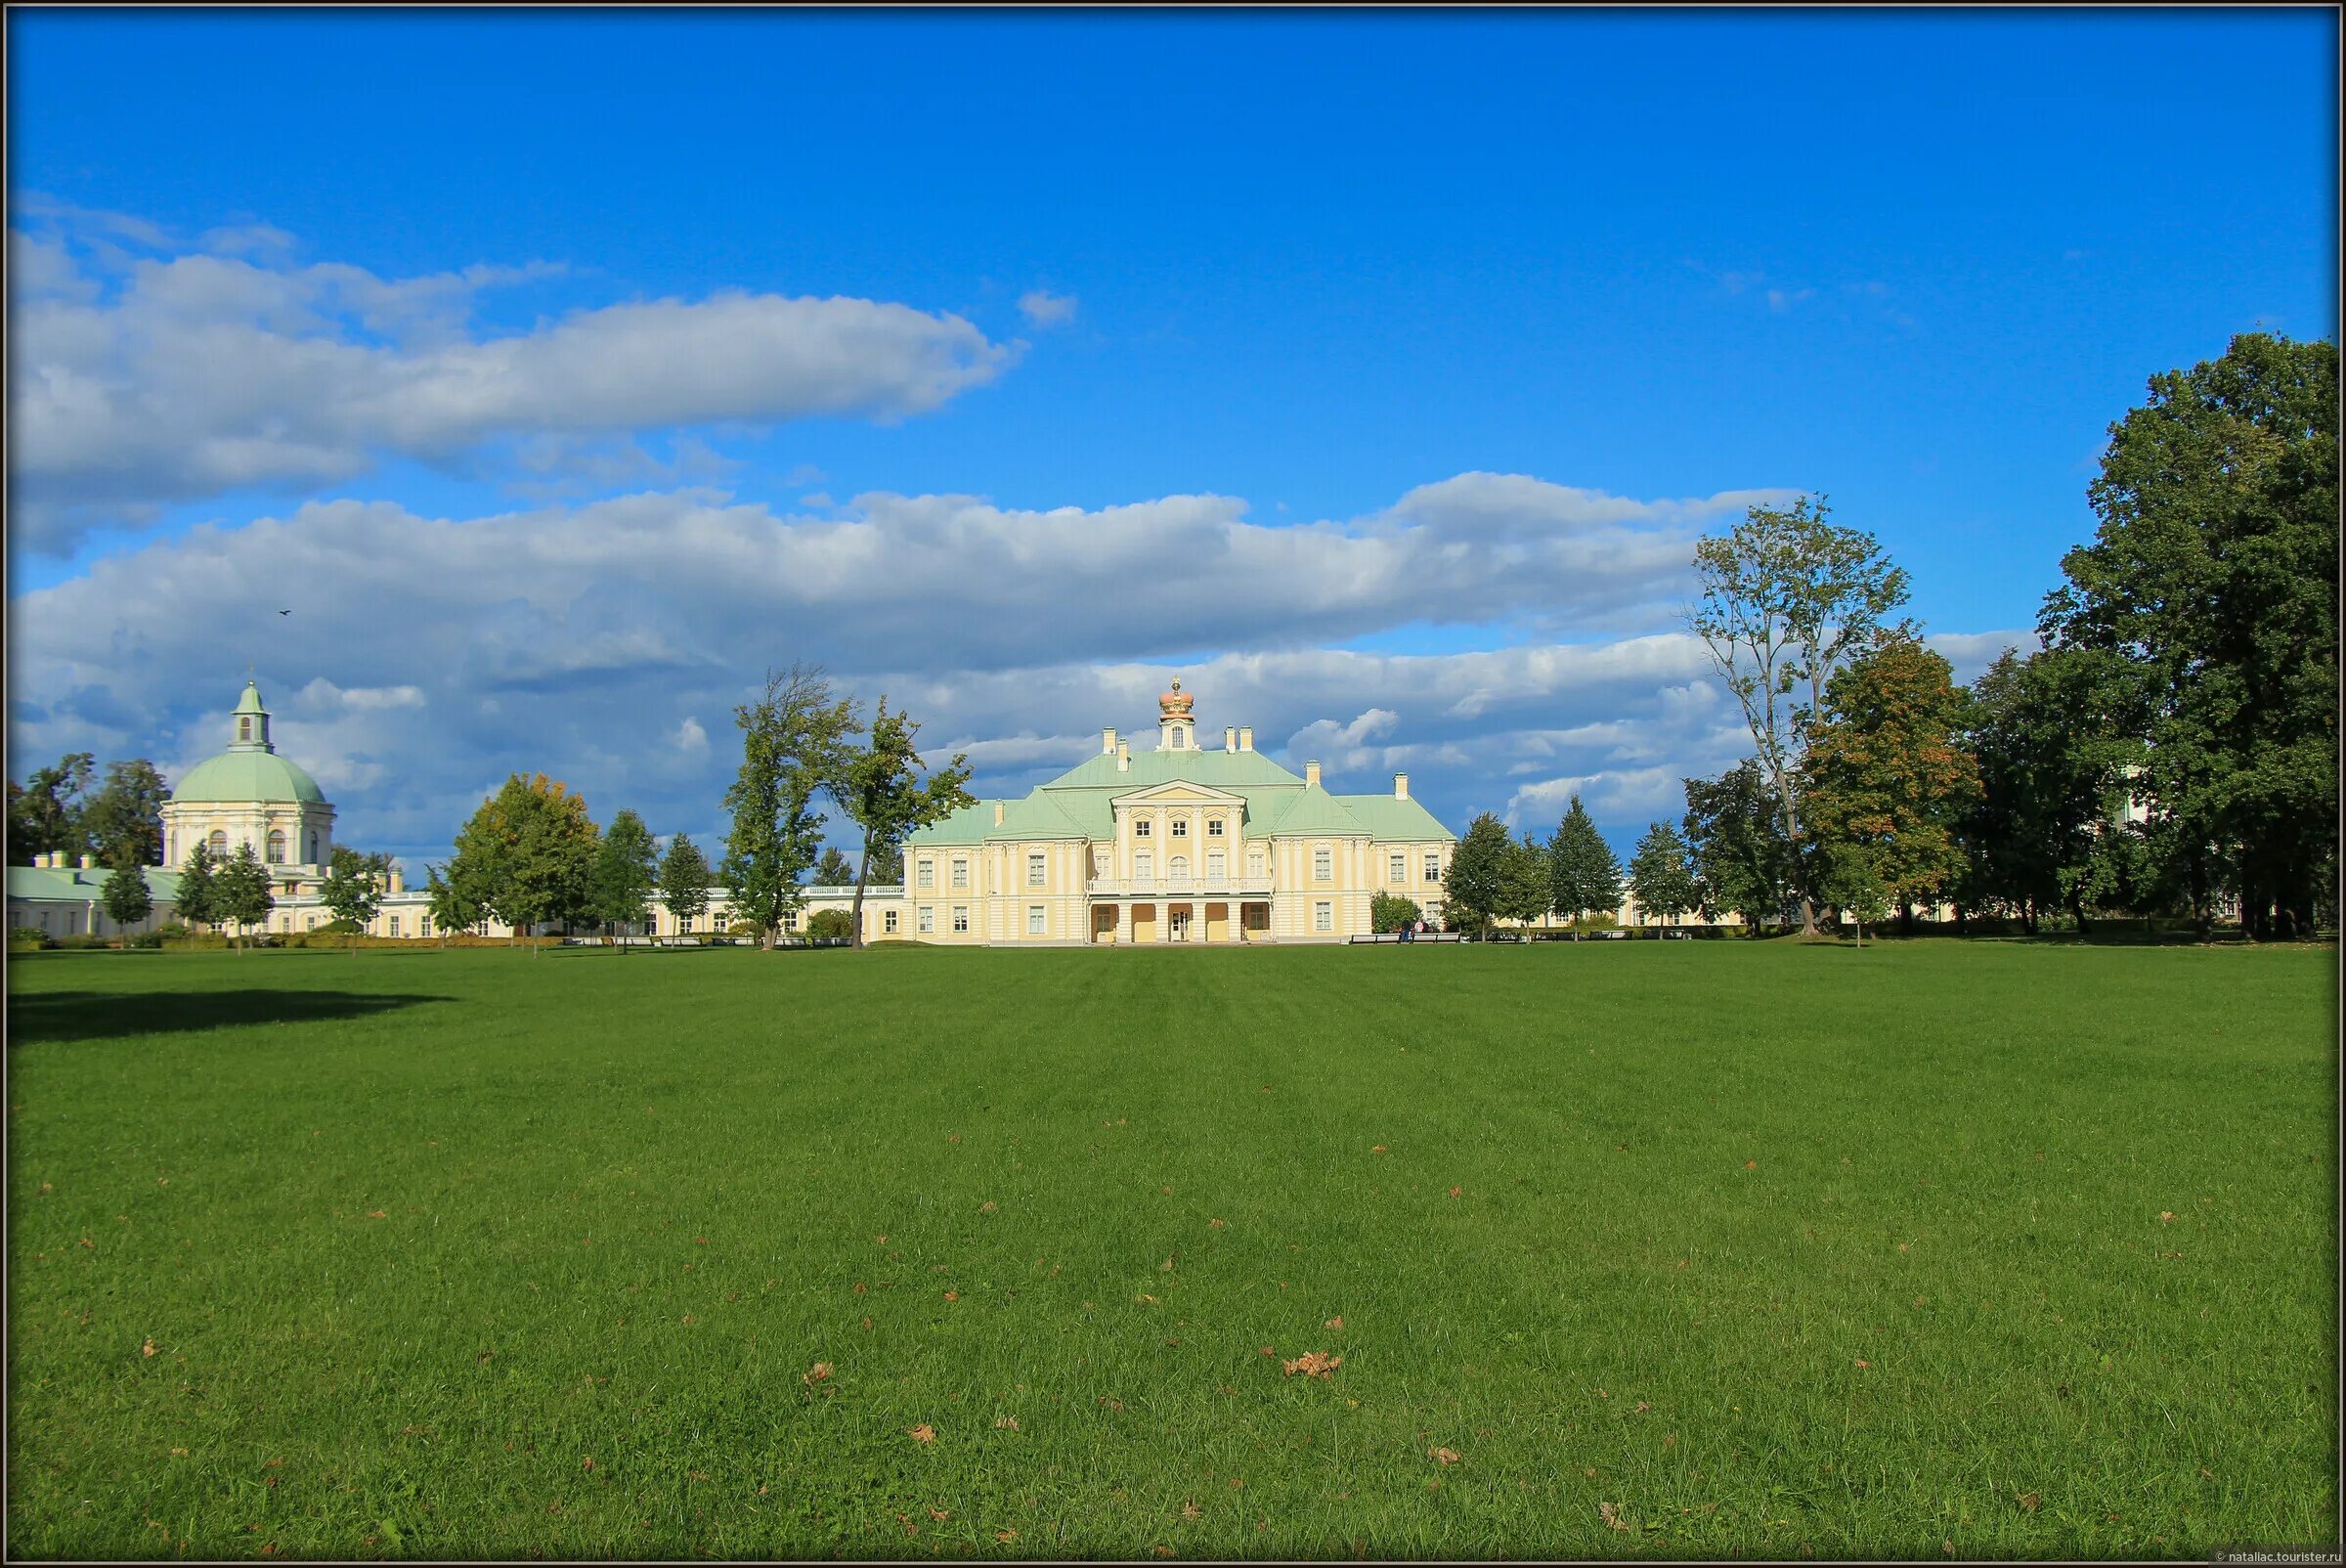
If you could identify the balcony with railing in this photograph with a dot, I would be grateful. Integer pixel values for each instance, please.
(1226, 887)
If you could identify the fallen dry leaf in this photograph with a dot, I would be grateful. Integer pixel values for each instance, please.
(821, 1371)
(940, 1516)
(1191, 1510)
(1864, 1364)
(1006, 1536)
(586, 1463)
(1336, 1322)
(1444, 1456)
(986, 1207)
(953, 1138)
(2029, 1501)
(952, 1296)
(1457, 1191)
(1612, 1516)
(1642, 1407)
(1378, 1149)
(1751, 1164)
(1214, 1225)
(2166, 1216)
(1007, 1423)
(146, 1349)
(1312, 1364)
(923, 1433)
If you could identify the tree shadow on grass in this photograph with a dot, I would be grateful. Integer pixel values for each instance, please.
(51, 1015)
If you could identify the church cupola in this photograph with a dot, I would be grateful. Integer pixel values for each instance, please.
(1177, 730)
(250, 732)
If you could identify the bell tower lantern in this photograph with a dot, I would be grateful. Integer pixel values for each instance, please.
(1177, 730)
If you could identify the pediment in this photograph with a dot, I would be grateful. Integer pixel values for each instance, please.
(1178, 791)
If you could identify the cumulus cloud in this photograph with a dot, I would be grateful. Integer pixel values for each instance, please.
(138, 381)
(609, 644)
(1043, 308)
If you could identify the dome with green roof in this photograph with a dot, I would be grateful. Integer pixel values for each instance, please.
(249, 770)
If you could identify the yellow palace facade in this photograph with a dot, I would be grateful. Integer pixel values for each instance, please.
(1179, 843)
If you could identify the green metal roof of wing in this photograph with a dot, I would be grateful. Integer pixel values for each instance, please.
(76, 885)
(1219, 769)
(1313, 810)
(1389, 819)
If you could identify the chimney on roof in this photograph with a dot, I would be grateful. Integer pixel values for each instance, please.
(1230, 737)
(1245, 738)
(997, 814)
(399, 882)
(1124, 757)
(1401, 786)
(1108, 741)
(1311, 775)
(89, 862)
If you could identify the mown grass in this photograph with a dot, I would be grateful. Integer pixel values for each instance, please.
(1768, 1249)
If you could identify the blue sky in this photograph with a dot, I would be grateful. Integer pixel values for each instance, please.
(1263, 296)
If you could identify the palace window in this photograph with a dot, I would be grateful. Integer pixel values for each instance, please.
(925, 875)
(1397, 868)
(790, 920)
(1323, 916)
(1179, 867)
(1144, 865)
(313, 845)
(1034, 871)
(243, 729)
(1254, 863)
(219, 842)
(1213, 827)
(394, 925)
(927, 923)
(887, 921)
(961, 873)
(1140, 827)
(1035, 916)
(313, 926)
(1323, 864)
(1181, 827)
(961, 918)
(277, 846)
(424, 930)
(1214, 868)
(1433, 867)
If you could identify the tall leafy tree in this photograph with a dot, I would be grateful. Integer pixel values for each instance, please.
(246, 896)
(1851, 883)
(126, 895)
(684, 882)
(1583, 874)
(1526, 882)
(1743, 859)
(1787, 597)
(125, 816)
(833, 870)
(1389, 912)
(2214, 575)
(46, 814)
(2044, 831)
(793, 749)
(1661, 876)
(530, 851)
(625, 871)
(198, 901)
(1887, 769)
(882, 789)
(354, 886)
(453, 906)
(1471, 892)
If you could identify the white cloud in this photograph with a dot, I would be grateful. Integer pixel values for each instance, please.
(608, 644)
(1043, 308)
(215, 370)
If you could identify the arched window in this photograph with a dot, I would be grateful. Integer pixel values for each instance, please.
(313, 845)
(218, 842)
(277, 846)
(1179, 867)
(243, 729)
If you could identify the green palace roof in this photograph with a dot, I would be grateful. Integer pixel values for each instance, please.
(251, 769)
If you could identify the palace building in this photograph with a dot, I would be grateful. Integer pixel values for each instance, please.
(1179, 843)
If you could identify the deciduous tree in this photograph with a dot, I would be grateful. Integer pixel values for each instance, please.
(1526, 882)
(1741, 859)
(624, 873)
(125, 816)
(883, 790)
(1886, 768)
(793, 748)
(1661, 876)
(1389, 911)
(46, 814)
(126, 895)
(1851, 884)
(684, 882)
(1471, 892)
(353, 888)
(453, 906)
(1583, 874)
(1786, 599)
(530, 851)
(244, 892)
(2214, 575)
(198, 900)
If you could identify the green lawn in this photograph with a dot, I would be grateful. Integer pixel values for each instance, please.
(1750, 1250)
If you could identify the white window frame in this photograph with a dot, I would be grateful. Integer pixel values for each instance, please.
(1039, 919)
(1213, 827)
(961, 871)
(1256, 863)
(1323, 916)
(1397, 867)
(1433, 866)
(927, 920)
(1144, 865)
(394, 925)
(961, 920)
(1141, 828)
(1181, 827)
(1217, 866)
(1038, 874)
(425, 930)
(887, 922)
(924, 873)
(1324, 863)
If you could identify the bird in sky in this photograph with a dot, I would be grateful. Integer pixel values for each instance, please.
(285, 612)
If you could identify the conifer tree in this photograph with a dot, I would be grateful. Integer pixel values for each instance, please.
(198, 898)
(684, 882)
(1471, 890)
(1661, 876)
(1584, 873)
(624, 873)
(125, 895)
